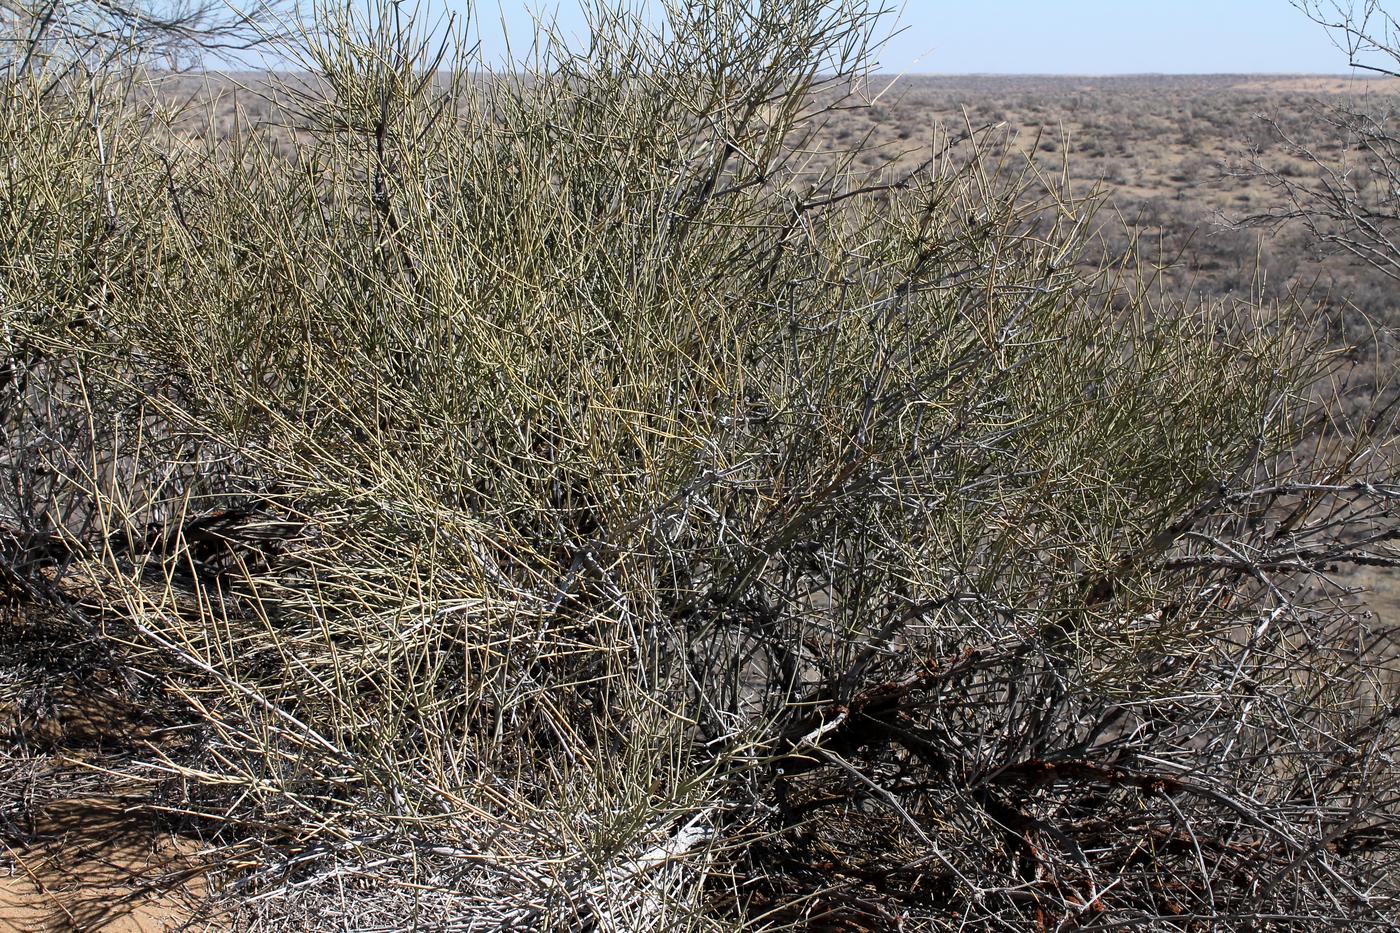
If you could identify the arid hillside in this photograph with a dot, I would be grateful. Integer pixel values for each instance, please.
(1179, 160)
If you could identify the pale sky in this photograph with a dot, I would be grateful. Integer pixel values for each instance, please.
(1108, 37)
(1062, 36)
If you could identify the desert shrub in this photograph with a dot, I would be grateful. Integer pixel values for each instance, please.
(546, 498)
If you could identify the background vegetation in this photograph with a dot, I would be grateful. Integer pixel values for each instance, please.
(603, 498)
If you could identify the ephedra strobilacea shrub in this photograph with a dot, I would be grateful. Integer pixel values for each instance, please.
(580, 498)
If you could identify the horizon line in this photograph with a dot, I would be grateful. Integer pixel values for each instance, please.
(1352, 75)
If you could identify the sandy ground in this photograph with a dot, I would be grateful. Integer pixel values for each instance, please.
(93, 865)
(85, 859)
